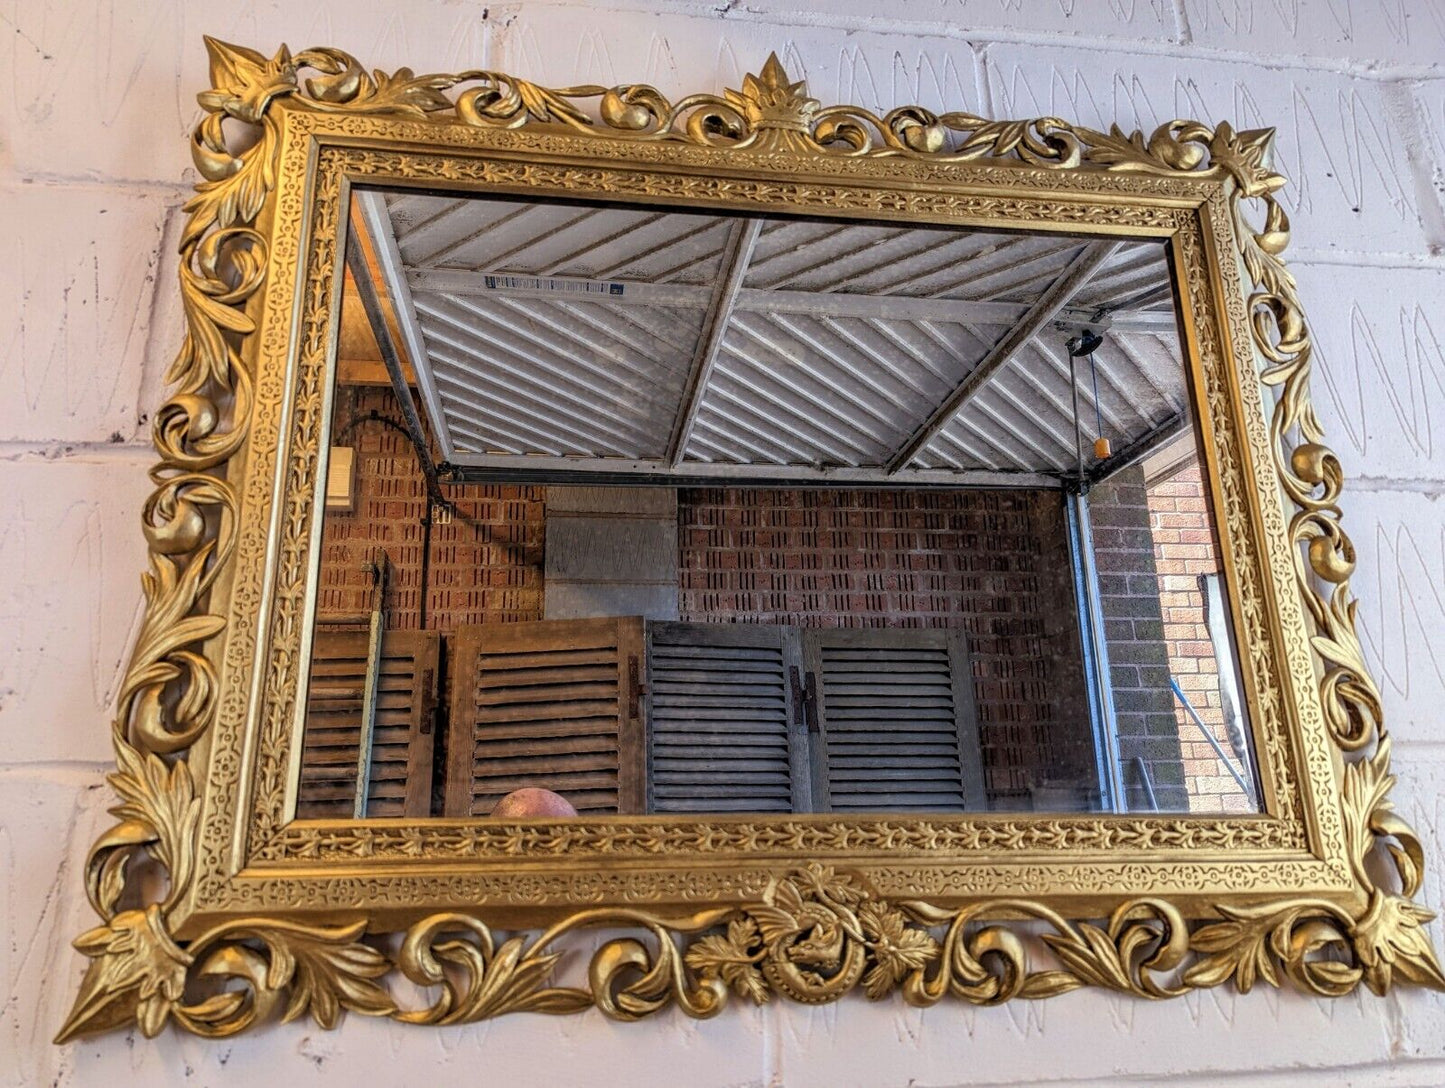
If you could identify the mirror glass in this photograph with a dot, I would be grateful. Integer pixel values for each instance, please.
(634, 510)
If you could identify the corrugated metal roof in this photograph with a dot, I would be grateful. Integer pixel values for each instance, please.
(570, 331)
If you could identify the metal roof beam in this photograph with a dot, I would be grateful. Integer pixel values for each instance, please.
(736, 254)
(461, 282)
(544, 468)
(375, 223)
(371, 302)
(1048, 306)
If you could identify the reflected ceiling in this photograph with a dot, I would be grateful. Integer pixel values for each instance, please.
(639, 340)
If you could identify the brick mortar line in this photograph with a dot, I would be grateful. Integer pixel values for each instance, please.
(1175, 47)
(23, 452)
(19, 177)
(1384, 484)
(1304, 256)
(91, 771)
(1283, 1075)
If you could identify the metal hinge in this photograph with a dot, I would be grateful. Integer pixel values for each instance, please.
(634, 686)
(805, 698)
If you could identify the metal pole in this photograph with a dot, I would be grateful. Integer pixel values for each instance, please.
(382, 572)
(1147, 780)
(371, 304)
(1209, 736)
(1096, 655)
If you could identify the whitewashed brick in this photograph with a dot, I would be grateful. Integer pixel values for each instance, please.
(1089, 1038)
(1400, 582)
(46, 824)
(1429, 107)
(682, 55)
(99, 88)
(167, 325)
(77, 274)
(1386, 32)
(1350, 186)
(72, 552)
(1420, 799)
(726, 1052)
(1379, 366)
(1136, 20)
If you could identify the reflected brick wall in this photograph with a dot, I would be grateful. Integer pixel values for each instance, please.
(1185, 550)
(486, 561)
(1129, 596)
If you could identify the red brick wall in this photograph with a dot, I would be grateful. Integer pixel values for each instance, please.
(1184, 549)
(991, 562)
(1134, 634)
(486, 564)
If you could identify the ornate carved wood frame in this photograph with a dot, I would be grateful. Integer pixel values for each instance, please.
(258, 915)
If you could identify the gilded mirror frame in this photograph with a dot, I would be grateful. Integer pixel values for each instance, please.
(256, 913)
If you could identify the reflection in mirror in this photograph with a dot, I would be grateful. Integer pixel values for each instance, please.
(633, 510)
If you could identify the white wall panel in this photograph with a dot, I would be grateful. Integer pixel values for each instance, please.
(72, 553)
(1351, 186)
(1402, 31)
(1379, 378)
(77, 276)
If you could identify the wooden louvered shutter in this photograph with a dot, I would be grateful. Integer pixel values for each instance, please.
(401, 740)
(724, 734)
(554, 704)
(899, 731)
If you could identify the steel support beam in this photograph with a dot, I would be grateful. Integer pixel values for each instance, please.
(390, 282)
(469, 284)
(1049, 304)
(736, 255)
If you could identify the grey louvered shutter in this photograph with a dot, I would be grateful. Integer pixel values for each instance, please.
(553, 704)
(723, 732)
(899, 732)
(401, 742)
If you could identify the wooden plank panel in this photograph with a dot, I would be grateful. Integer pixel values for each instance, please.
(546, 704)
(401, 764)
(720, 716)
(898, 725)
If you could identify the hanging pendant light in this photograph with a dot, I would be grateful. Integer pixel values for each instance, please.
(1083, 346)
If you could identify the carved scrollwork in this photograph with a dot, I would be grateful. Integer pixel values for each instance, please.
(815, 934)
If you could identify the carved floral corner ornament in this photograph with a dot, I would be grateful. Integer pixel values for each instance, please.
(816, 934)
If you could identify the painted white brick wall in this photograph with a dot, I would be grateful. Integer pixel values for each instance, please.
(99, 95)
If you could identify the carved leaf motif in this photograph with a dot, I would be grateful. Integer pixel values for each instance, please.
(733, 958)
(324, 971)
(345, 84)
(1243, 154)
(510, 981)
(896, 947)
(1389, 938)
(136, 973)
(159, 809)
(1042, 984)
(244, 82)
(1091, 955)
(1244, 947)
(492, 981)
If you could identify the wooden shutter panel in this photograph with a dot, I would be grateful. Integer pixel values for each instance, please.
(553, 704)
(899, 731)
(401, 743)
(723, 732)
